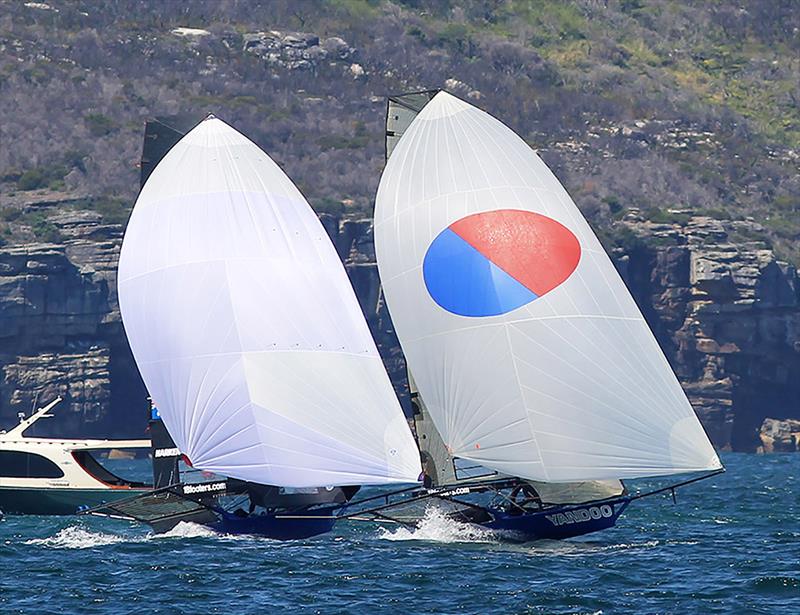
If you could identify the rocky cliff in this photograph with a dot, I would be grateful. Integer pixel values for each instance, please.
(725, 311)
(727, 315)
(60, 330)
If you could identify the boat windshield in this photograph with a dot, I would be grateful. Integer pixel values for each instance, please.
(127, 470)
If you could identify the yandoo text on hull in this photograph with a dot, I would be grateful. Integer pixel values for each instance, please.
(536, 381)
(252, 344)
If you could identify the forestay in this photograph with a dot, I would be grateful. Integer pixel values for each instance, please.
(527, 348)
(246, 329)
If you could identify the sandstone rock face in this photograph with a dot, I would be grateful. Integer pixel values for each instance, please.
(82, 379)
(728, 317)
(779, 436)
(726, 313)
(60, 330)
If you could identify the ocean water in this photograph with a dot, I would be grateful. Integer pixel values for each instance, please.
(730, 545)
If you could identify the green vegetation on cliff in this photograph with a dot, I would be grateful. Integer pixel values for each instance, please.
(656, 105)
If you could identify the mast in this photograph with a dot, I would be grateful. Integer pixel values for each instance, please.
(158, 140)
(401, 109)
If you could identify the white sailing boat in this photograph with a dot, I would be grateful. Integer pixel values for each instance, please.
(252, 344)
(530, 356)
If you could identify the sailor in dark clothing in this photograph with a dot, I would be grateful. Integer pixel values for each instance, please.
(256, 494)
(523, 497)
(349, 491)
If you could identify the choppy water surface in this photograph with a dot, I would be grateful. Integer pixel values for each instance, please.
(729, 546)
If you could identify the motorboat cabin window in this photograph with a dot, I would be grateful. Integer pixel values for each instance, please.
(92, 466)
(18, 464)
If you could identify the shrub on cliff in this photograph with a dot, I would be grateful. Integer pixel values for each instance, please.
(653, 102)
(99, 125)
(49, 176)
(31, 180)
(43, 229)
(113, 210)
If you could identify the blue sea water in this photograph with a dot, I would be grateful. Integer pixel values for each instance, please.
(730, 545)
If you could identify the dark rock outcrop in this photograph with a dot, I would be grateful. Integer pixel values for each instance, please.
(82, 378)
(727, 316)
(298, 50)
(779, 436)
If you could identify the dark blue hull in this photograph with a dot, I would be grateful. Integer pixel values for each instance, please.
(283, 526)
(557, 522)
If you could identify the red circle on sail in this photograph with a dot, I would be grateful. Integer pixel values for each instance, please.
(535, 250)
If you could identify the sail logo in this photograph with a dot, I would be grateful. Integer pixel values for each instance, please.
(494, 262)
(581, 516)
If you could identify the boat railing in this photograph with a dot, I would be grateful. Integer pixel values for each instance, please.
(25, 423)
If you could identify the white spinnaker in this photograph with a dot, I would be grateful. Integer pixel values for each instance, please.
(246, 329)
(570, 387)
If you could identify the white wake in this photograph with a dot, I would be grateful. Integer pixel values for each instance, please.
(77, 538)
(185, 529)
(436, 526)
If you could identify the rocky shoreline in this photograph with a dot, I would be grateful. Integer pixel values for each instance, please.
(779, 436)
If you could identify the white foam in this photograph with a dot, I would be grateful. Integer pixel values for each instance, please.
(436, 526)
(185, 529)
(76, 537)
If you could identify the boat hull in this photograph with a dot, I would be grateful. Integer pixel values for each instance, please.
(57, 501)
(557, 522)
(283, 526)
